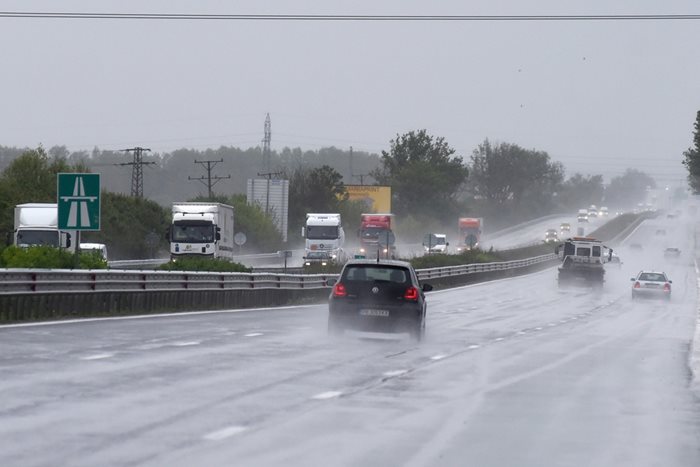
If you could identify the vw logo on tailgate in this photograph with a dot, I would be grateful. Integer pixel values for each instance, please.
(375, 289)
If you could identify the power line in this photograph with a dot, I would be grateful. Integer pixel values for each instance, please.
(137, 170)
(306, 17)
(211, 180)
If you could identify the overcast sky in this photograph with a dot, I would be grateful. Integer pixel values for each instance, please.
(597, 96)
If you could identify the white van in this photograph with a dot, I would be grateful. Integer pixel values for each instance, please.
(100, 247)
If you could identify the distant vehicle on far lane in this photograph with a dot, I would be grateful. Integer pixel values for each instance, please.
(672, 252)
(550, 236)
(565, 227)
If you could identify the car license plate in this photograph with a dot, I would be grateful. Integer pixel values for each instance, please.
(372, 312)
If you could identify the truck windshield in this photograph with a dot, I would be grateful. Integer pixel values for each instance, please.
(192, 232)
(37, 237)
(374, 233)
(322, 232)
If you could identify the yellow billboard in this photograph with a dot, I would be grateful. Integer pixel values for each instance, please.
(376, 198)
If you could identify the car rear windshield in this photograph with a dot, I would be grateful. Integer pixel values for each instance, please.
(653, 277)
(370, 272)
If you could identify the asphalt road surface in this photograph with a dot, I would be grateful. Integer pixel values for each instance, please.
(512, 373)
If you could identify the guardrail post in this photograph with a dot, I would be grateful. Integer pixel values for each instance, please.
(93, 284)
(33, 286)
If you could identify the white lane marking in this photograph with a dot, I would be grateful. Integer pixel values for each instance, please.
(391, 374)
(520, 333)
(98, 356)
(538, 329)
(552, 324)
(438, 357)
(474, 346)
(224, 433)
(563, 320)
(499, 339)
(327, 395)
(186, 344)
(156, 316)
(573, 318)
(254, 334)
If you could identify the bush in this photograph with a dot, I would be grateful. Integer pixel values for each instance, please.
(442, 260)
(204, 264)
(48, 257)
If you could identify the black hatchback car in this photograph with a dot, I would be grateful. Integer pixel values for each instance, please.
(378, 297)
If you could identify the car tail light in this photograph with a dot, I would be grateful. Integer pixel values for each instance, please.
(637, 285)
(411, 294)
(339, 290)
(667, 287)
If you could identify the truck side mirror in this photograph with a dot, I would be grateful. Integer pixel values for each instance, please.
(218, 233)
(68, 242)
(167, 234)
(303, 232)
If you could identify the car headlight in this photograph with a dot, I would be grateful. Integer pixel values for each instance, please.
(386, 250)
(307, 264)
(362, 250)
(323, 263)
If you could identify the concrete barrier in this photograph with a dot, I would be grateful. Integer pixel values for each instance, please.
(53, 306)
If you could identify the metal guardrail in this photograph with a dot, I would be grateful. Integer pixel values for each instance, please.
(28, 280)
(46, 280)
(447, 271)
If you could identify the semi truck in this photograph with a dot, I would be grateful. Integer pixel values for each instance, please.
(324, 233)
(37, 224)
(377, 240)
(201, 229)
(469, 229)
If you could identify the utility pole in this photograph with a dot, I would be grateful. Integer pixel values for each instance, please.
(267, 139)
(269, 176)
(362, 177)
(210, 180)
(137, 170)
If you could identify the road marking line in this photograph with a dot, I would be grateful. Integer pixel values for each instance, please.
(520, 333)
(254, 334)
(224, 433)
(499, 339)
(538, 329)
(98, 356)
(552, 324)
(474, 346)
(327, 395)
(391, 374)
(158, 315)
(438, 357)
(186, 344)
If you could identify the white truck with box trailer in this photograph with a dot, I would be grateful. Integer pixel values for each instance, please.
(37, 224)
(324, 233)
(201, 229)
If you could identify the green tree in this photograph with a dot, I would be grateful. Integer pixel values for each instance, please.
(515, 181)
(260, 229)
(691, 158)
(126, 222)
(629, 189)
(30, 178)
(580, 191)
(424, 173)
(313, 190)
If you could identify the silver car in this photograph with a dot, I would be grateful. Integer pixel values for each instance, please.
(651, 284)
